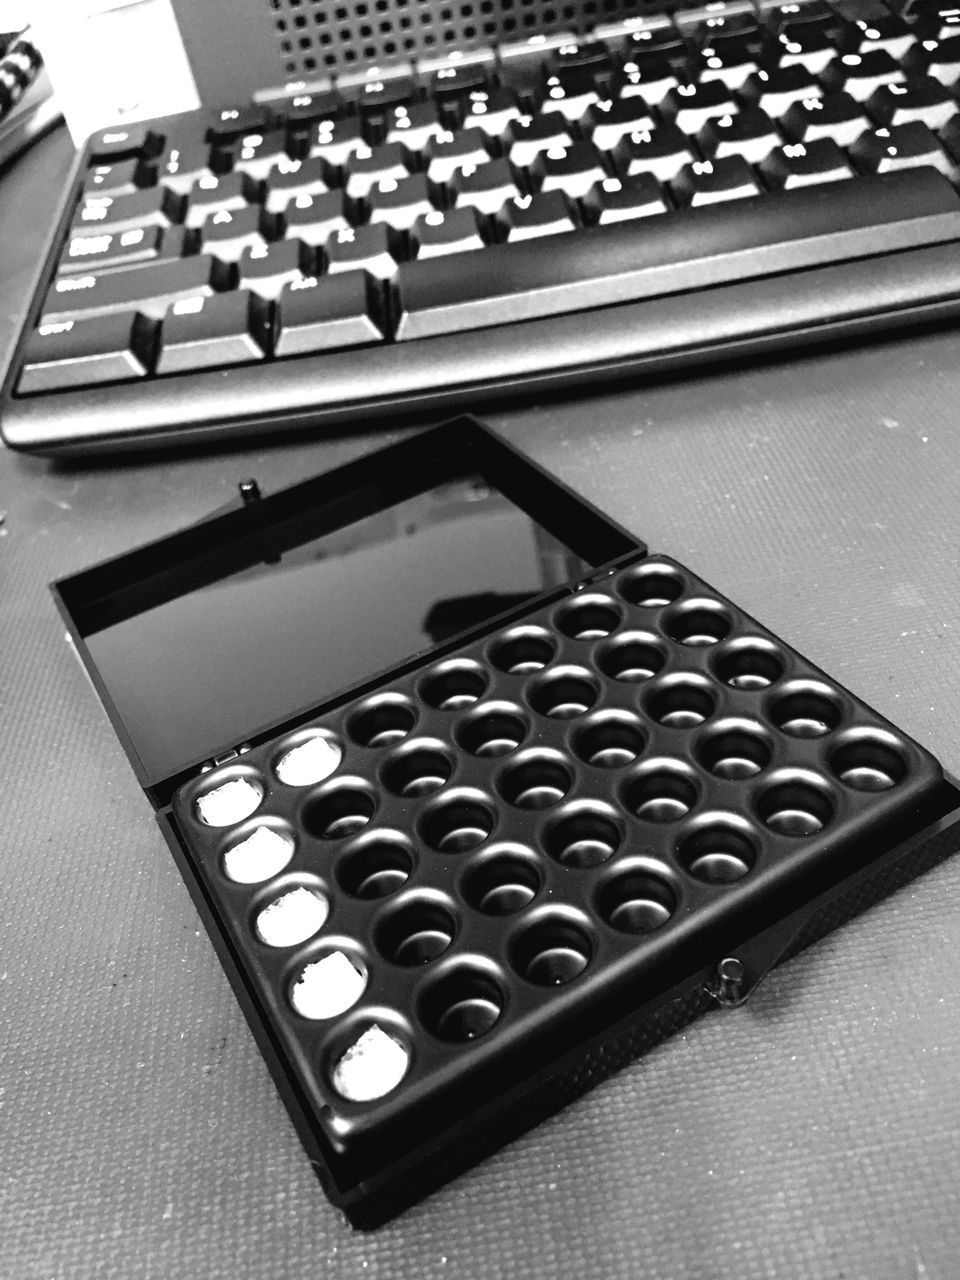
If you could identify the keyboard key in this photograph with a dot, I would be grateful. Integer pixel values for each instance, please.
(400, 202)
(76, 353)
(330, 313)
(571, 94)
(544, 214)
(229, 232)
(151, 289)
(923, 99)
(122, 140)
(535, 134)
(291, 178)
(709, 181)
(811, 49)
(936, 21)
(939, 60)
(608, 122)
(337, 140)
(492, 110)
(202, 333)
(230, 193)
(449, 152)
(645, 46)
(437, 234)
(651, 80)
(485, 186)
(304, 108)
(750, 134)
(891, 34)
(233, 120)
(414, 126)
(456, 79)
(661, 152)
(861, 74)
(692, 105)
(693, 248)
(377, 89)
(120, 179)
(731, 59)
(182, 167)
(776, 90)
(257, 153)
(836, 116)
(266, 269)
(373, 248)
(618, 199)
(573, 170)
(802, 164)
(654, 35)
(153, 207)
(121, 248)
(593, 54)
(314, 219)
(521, 61)
(371, 165)
(903, 147)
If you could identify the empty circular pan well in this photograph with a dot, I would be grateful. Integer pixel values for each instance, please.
(457, 826)
(717, 854)
(795, 809)
(455, 686)
(462, 1005)
(585, 837)
(417, 771)
(630, 658)
(663, 795)
(636, 902)
(807, 713)
(309, 761)
(551, 953)
(651, 586)
(328, 986)
(869, 764)
(702, 623)
(416, 933)
(535, 783)
(492, 733)
(230, 802)
(680, 704)
(372, 1065)
(609, 742)
(750, 667)
(382, 723)
(375, 869)
(339, 813)
(563, 695)
(589, 618)
(521, 652)
(502, 885)
(735, 753)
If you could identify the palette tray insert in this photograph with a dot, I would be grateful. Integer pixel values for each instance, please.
(442, 888)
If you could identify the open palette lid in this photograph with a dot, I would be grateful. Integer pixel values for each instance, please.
(261, 616)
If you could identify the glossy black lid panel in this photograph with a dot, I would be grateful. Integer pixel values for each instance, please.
(201, 641)
(295, 628)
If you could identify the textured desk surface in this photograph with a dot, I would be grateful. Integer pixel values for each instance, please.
(815, 1132)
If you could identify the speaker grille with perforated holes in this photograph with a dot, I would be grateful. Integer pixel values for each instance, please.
(316, 36)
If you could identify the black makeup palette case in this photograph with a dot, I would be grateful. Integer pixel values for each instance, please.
(478, 799)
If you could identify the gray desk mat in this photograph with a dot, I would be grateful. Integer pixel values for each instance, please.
(816, 1132)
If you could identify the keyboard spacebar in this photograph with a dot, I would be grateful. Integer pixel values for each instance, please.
(677, 252)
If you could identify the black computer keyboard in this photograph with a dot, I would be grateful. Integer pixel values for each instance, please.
(652, 193)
